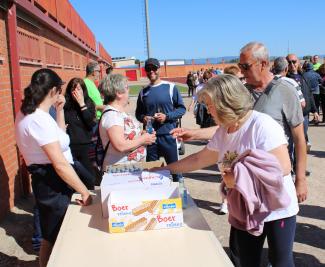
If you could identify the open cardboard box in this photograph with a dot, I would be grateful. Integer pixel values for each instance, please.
(152, 208)
(132, 180)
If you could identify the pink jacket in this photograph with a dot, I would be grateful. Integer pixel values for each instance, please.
(258, 190)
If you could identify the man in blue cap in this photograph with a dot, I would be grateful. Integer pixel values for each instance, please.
(162, 104)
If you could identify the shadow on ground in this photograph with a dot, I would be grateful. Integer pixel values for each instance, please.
(310, 235)
(310, 211)
(300, 259)
(19, 227)
(10, 261)
(317, 153)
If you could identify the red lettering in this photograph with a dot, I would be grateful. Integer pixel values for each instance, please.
(119, 208)
(166, 219)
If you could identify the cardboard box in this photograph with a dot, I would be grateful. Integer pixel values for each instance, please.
(131, 180)
(145, 209)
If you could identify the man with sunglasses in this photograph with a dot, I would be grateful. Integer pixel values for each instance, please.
(274, 97)
(295, 72)
(161, 103)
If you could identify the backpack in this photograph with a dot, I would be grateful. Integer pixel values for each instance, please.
(100, 150)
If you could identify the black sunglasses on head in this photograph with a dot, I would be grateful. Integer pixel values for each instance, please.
(292, 62)
(150, 68)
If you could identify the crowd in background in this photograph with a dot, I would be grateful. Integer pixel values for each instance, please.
(56, 128)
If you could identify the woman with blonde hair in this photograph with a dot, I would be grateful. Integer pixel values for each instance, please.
(251, 148)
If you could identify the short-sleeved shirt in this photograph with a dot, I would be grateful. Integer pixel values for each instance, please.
(36, 130)
(281, 102)
(94, 94)
(259, 131)
(293, 83)
(132, 130)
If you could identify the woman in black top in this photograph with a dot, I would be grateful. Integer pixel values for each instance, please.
(79, 112)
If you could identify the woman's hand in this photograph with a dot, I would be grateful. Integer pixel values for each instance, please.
(85, 200)
(78, 95)
(59, 104)
(228, 177)
(148, 139)
(182, 134)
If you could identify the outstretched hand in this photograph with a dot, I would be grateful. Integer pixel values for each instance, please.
(182, 134)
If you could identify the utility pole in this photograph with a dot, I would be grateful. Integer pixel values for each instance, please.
(147, 28)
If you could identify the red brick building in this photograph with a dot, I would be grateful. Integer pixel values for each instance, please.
(35, 34)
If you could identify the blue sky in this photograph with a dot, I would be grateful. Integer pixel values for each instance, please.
(186, 29)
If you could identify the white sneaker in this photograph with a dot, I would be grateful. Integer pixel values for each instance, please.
(308, 146)
(223, 208)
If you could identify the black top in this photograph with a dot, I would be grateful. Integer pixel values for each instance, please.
(80, 125)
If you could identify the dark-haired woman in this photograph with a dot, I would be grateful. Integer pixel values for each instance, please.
(79, 112)
(45, 148)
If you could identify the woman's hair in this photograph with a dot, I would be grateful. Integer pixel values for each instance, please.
(233, 70)
(207, 75)
(230, 97)
(42, 82)
(111, 85)
(70, 102)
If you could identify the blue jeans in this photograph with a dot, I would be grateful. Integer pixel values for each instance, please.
(37, 235)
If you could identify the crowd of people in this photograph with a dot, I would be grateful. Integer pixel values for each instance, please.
(254, 113)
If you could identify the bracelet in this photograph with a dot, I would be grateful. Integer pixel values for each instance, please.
(84, 106)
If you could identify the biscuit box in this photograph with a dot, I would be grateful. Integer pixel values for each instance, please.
(138, 179)
(145, 209)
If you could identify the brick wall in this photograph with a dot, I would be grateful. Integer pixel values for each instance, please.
(9, 181)
(47, 37)
(33, 38)
(175, 71)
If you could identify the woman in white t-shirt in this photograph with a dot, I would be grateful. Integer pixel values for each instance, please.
(45, 148)
(118, 130)
(241, 129)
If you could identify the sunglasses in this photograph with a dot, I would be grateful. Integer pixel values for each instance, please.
(245, 66)
(151, 68)
(292, 62)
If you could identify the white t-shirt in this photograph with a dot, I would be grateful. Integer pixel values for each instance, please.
(132, 130)
(260, 131)
(36, 130)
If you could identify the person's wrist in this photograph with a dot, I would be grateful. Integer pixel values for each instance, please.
(83, 106)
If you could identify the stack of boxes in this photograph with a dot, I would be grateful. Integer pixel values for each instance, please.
(135, 200)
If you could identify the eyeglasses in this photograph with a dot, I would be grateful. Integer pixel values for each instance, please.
(292, 62)
(151, 68)
(245, 66)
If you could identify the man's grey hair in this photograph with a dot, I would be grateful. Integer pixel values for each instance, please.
(91, 67)
(111, 85)
(259, 50)
(280, 65)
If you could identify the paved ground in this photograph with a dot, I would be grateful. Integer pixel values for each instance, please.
(309, 246)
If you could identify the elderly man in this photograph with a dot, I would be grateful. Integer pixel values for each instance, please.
(92, 75)
(274, 97)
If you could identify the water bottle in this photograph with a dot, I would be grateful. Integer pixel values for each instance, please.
(149, 127)
(183, 192)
